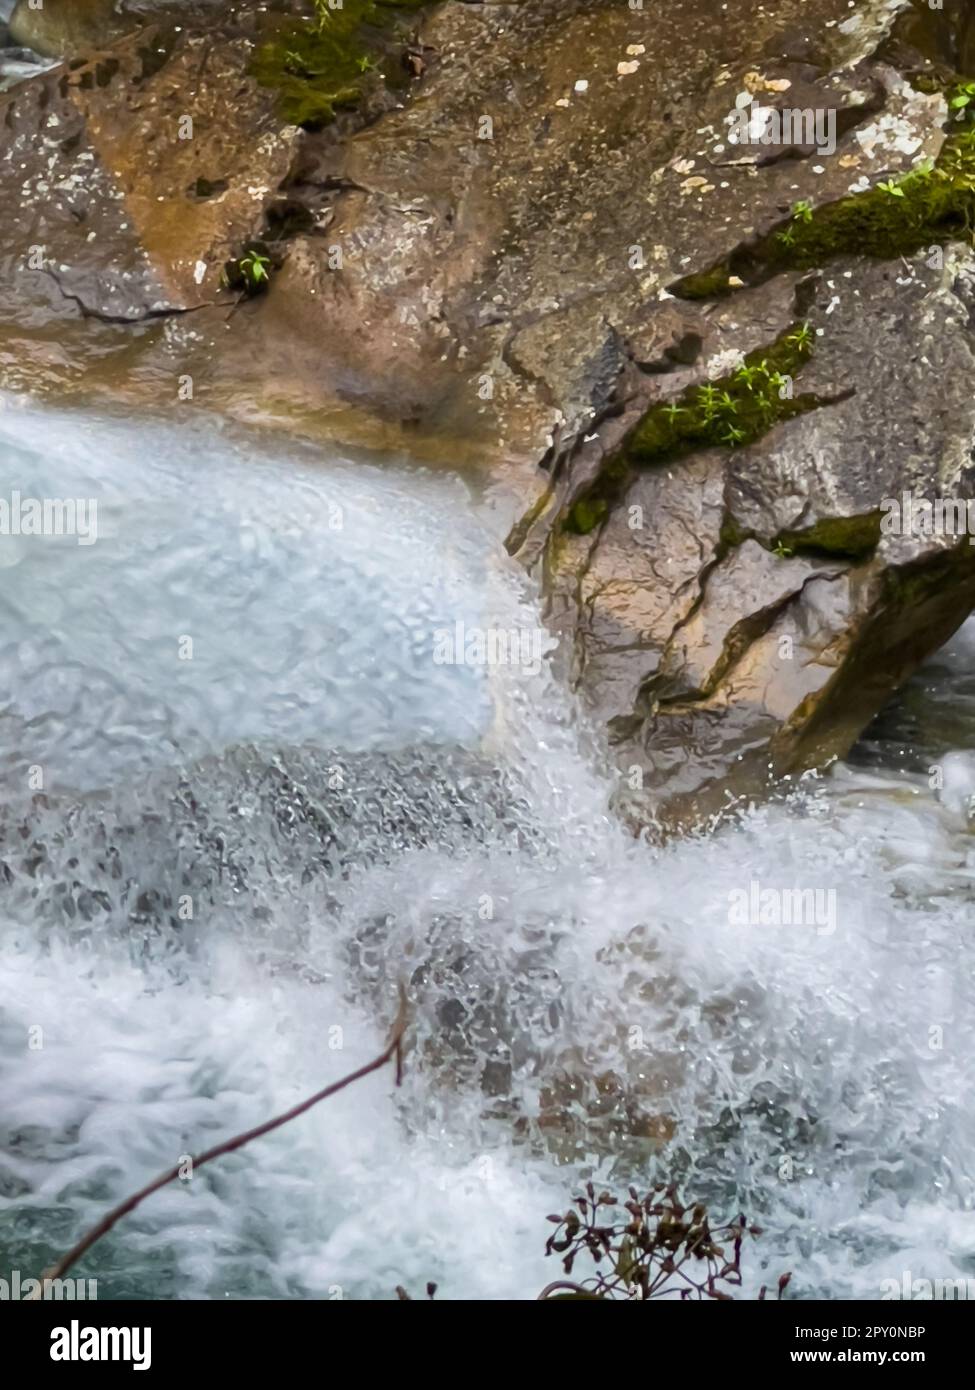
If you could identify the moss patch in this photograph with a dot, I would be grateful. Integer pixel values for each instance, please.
(923, 580)
(849, 537)
(586, 514)
(734, 411)
(592, 508)
(706, 284)
(731, 535)
(929, 206)
(323, 65)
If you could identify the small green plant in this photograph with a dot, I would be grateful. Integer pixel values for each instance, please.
(801, 338)
(786, 238)
(254, 268)
(963, 100)
(250, 273)
(748, 376)
(649, 1247)
(323, 14)
(783, 551)
(707, 399)
(891, 188)
(802, 211)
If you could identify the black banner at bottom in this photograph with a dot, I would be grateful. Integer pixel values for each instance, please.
(165, 1339)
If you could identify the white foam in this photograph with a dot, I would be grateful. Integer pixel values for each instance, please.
(822, 1082)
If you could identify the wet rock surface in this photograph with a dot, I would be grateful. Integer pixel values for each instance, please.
(65, 28)
(483, 264)
(129, 181)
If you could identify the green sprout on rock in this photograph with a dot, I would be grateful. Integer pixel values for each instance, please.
(254, 268)
(801, 338)
(323, 14)
(963, 100)
(707, 399)
(250, 273)
(749, 375)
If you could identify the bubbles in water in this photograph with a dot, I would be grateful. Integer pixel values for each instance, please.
(343, 814)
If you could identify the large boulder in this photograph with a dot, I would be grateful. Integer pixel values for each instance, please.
(740, 615)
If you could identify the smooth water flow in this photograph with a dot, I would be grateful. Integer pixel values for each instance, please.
(342, 811)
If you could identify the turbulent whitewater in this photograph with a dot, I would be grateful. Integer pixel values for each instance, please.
(230, 700)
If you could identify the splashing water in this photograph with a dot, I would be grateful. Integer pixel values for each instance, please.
(342, 811)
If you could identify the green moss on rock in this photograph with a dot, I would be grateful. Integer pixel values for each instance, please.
(707, 284)
(586, 515)
(736, 410)
(733, 411)
(932, 205)
(323, 65)
(852, 537)
(731, 534)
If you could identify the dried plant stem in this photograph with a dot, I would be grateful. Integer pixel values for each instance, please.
(394, 1048)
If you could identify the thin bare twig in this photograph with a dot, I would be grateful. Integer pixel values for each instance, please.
(394, 1048)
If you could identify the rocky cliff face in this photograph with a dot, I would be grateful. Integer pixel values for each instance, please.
(685, 373)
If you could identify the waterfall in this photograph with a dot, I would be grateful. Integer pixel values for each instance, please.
(241, 801)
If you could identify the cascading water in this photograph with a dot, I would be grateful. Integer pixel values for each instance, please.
(233, 703)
